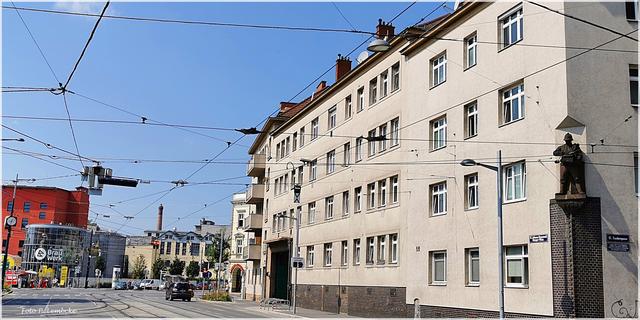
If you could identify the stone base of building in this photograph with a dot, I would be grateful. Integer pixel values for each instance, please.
(426, 311)
(361, 301)
(252, 297)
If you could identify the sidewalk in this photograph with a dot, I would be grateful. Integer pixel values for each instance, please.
(284, 313)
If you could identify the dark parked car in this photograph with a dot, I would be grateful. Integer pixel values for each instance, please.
(179, 290)
(120, 285)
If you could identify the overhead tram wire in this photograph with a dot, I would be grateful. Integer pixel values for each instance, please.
(73, 133)
(343, 16)
(41, 159)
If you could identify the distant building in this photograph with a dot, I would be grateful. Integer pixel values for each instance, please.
(209, 226)
(135, 246)
(54, 246)
(186, 246)
(42, 205)
(237, 271)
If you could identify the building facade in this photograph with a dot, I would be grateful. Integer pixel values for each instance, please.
(41, 205)
(185, 246)
(53, 246)
(393, 225)
(136, 246)
(237, 266)
(111, 247)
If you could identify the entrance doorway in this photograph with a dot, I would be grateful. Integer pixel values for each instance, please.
(236, 280)
(280, 274)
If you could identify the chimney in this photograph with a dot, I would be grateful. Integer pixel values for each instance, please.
(160, 209)
(343, 66)
(285, 106)
(319, 88)
(384, 30)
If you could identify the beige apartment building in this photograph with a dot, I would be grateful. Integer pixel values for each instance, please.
(393, 225)
(145, 246)
(238, 241)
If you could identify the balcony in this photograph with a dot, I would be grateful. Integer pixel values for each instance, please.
(256, 166)
(255, 193)
(253, 222)
(253, 252)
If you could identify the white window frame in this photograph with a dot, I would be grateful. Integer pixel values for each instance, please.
(356, 251)
(438, 69)
(472, 188)
(384, 84)
(438, 257)
(395, 132)
(511, 95)
(370, 252)
(288, 146)
(471, 50)
(359, 147)
(346, 202)
(344, 257)
(328, 207)
(328, 252)
(302, 137)
(294, 142)
(439, 199)
(332, 117)
(507, 21)
(346, 153)
(633, 81)
(331, 161)
(315, 128)
(395, 77)
(361, 100)
(313, 170)
(395, 189)
(357, 199)
(348, 107)
(371, 143)
(523, 257)
(470, 259)
(471, 119)
(634, 10)
(382, 249)
(439, 133)
(371, 195)
(512, 173)
(393, 250)
(311, 215)
(382, 131)
(382, 194)
(310, 256)
(373, 91)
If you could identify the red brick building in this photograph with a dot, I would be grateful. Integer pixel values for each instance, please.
(39, 205)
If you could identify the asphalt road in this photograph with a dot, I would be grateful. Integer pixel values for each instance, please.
(108, 303)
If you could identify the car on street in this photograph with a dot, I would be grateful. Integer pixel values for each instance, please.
(150, 284)
(120, 285)
(179, 290)
(163, 285)
(136, 285)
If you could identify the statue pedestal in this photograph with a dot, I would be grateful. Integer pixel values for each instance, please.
(570, 196)
(576, 257)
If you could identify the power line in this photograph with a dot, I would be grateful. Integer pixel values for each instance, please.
(93, 31)
(583, 21)
(45, 160)
(73, 133)
(343, 16)
(193, 22)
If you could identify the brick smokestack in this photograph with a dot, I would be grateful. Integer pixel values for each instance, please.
(160, 209)
(343, 66)
(384, 30)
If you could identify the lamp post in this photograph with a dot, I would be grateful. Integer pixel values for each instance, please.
(86, 276)
(498, 170)
(11, 220)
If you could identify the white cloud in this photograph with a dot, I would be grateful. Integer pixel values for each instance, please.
(81, 6)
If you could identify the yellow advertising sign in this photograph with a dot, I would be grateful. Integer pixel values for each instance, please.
(63, 275)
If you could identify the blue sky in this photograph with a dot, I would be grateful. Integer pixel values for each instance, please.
(186, 74)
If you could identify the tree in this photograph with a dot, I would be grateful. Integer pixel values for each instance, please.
(157, 266)
(213, 250)
(193, 269)
(139, 267)
(100, 263)
(176, 267)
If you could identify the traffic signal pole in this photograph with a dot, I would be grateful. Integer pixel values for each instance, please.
(6, 248)
(86, 276)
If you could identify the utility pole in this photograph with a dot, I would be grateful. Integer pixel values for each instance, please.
(86, 276)
(219, 262)
(9, 225)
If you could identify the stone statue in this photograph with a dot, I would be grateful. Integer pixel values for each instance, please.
(571, 167)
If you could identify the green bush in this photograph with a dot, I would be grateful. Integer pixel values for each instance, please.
(7, 288)
(217, 296)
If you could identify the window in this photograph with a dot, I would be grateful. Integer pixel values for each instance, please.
(177, 248)
(356, 251)
(632, 9)
(393, 253)
(439, 199)
(370, 248)
(332, 117)
(473, 266)
(382, 198)
(162, 247)
(395, 77)
(515, 176)
(313, 170)
(382, 249)
(359, 149)
(312, 212)
(168, 248)
(344, 257)
(372, 142)
(347, 107)
(513, 104)
(195, 248)
(287, 150)
(439, 133)
(331, 161)
(42, 216)
(394, 189)
(472, 191)
(382, 131)
(25, 223)
(184, 249)
(300, 174)
(511, 24)
(471, 50)
(27, 206)
(357, 204)
(301, 137)
(360, 99)
(274, 223)
(517, 266)
(310, 256)
(439, 267)
(282, 151)
(373, 91)
(438, 69)
(371, 195)
(471, 120)
(345, 203)
(395, 128)
(315, 130)
(384, 84)
(328, 208)
(633, 85)
(346, 153)
(328, 250)
(635, 170)
(43, 205)
(240, 220)
(10, 206)
(294, 142)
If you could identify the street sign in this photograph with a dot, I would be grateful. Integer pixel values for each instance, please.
(40, 254)
(618, 247)
(617, 237)
(297, 262)
(538, 238)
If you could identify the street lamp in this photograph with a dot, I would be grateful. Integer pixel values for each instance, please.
(379, 45)
(498, 170)
(14, 139)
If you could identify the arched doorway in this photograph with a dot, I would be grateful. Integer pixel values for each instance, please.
(236, 278)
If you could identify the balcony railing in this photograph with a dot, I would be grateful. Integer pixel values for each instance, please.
(255, 193)
(253, 222)
(253, 252)
(256, 166)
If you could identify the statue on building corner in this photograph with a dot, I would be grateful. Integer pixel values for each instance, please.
(571, 169)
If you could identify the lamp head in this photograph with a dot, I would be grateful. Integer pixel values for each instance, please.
(468, 163)
(379, 45)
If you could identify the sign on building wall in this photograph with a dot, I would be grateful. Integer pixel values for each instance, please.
(618, 242)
